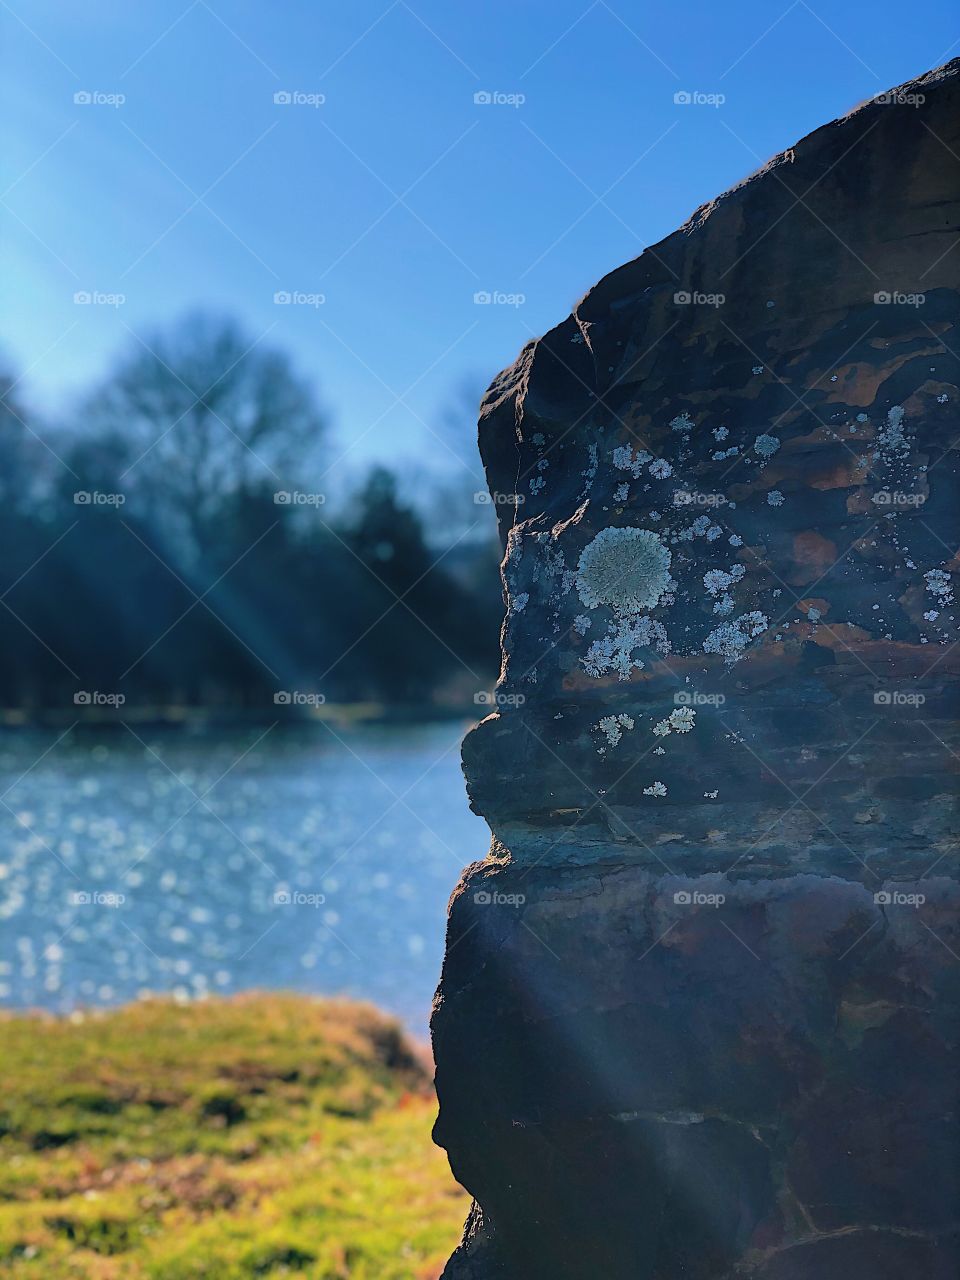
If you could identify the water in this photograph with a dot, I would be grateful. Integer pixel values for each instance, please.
(312, 859)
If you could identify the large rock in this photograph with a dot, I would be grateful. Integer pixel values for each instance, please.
(698, 1012)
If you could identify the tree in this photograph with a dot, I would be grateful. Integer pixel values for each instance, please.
(207, 413)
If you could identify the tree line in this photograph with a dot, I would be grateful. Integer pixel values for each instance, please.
(174, 547)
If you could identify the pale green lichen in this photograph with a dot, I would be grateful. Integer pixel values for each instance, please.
(627, 569)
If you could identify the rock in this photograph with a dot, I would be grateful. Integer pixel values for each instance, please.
(698, 1013)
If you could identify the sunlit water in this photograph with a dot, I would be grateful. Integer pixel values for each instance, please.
(310, 859)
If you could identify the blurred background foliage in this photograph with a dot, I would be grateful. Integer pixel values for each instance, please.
(176, 543)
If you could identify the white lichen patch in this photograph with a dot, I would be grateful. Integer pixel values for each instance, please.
(621, 493)
(681, 720)
(582, 624)
(624, 459)
(626, 568)
(774, 498)
(614, 652)
(719, 580)
(612, 727)
(655, 789)
(682, 422)
(730, 639)
(939, 585)
(720, 433)
(520, 602)
(766, 445)
(891, 438)
(660, 469)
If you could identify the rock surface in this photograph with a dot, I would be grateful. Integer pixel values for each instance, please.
(698, 1014)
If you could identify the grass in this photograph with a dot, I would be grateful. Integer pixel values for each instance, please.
(261, 1136)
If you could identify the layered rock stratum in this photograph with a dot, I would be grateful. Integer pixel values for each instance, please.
(698, 1014)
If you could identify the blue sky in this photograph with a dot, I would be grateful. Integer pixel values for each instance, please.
(398, 197)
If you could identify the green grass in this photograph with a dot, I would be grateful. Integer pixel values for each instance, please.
(263, 1136)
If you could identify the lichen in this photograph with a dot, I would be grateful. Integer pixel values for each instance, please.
(612, 727)
(719, 580)
(766, 445)
(939, 585)
(614, 652)
(624, 459)
(730, 639)
(681, 720)
(655, 789)
(775, 498)
(626, 568)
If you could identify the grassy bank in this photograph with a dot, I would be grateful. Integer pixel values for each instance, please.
(262, 1136)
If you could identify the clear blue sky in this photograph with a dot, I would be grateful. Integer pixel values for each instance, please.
(399, 197)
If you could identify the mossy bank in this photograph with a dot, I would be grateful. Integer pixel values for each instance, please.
(265, 1135)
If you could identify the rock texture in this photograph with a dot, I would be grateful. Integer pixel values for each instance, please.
(698, 1014)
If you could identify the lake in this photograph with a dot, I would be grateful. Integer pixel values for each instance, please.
(313, 858)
